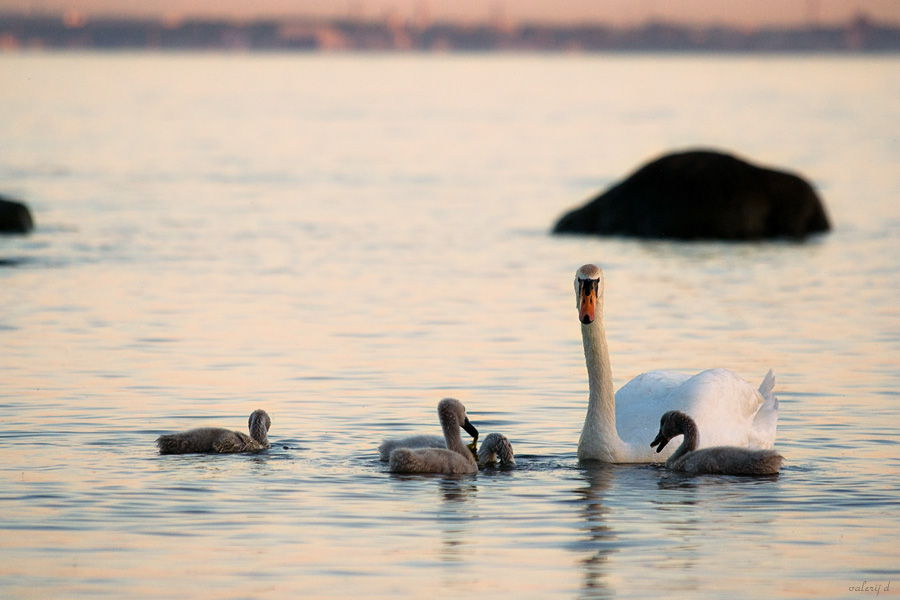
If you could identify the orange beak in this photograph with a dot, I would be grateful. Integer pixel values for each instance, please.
(587, 303)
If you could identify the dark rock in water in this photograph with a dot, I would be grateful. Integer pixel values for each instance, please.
(14, 217)
(702, 195)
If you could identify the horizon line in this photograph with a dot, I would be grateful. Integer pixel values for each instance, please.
(77, 18)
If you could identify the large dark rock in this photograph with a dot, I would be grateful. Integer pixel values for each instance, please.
(702, 195)
(14, 217)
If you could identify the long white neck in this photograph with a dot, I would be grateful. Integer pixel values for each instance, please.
(599, 438)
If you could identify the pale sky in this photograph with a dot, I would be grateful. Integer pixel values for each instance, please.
(617, 12)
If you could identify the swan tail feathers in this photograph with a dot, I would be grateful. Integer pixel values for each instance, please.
(186, 442)
(767, 391)
(385, 449)
(402, 460)
(168, 444)
(765, 422)
(767, 385)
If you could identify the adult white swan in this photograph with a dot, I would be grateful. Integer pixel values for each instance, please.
(619, 427)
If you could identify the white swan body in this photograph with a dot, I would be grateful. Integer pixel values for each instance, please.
(618, 427)
(455, 458)
(218, 440)
(724, 460)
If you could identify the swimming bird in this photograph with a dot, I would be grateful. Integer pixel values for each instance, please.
(218, 440)
(413, 441)
(725, 460)
(496, 447)
(455, 458)
(618, 426)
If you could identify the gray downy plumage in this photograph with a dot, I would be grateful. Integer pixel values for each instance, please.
(724, 460)
(455, 458)
(218, 440)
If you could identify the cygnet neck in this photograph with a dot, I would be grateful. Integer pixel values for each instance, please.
(686, 426)
(450, 425)
(259, 427)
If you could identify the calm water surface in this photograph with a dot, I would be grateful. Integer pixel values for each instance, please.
(344, 240)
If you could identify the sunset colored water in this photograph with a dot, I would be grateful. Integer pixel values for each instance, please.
(344, 240)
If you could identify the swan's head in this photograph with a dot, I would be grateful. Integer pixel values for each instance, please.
(259, 425)
(671, 424)
(451, 409)
(588, 292)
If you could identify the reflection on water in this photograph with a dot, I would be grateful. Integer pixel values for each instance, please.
(600, 539)
(289, 232)
(455, 518)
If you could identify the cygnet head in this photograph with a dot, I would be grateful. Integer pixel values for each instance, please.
(452, 409)
(259, 425)
(496, 447)
(589, 293)
(671, 424)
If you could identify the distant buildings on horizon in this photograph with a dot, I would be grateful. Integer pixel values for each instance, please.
(74, 31)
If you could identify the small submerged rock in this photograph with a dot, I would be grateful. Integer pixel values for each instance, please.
(14, 216)
(702, 194)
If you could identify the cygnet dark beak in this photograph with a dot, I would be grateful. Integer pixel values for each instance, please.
(470, 429)
(661, 440)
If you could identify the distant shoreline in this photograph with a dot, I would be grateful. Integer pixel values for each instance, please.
(76, 32)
